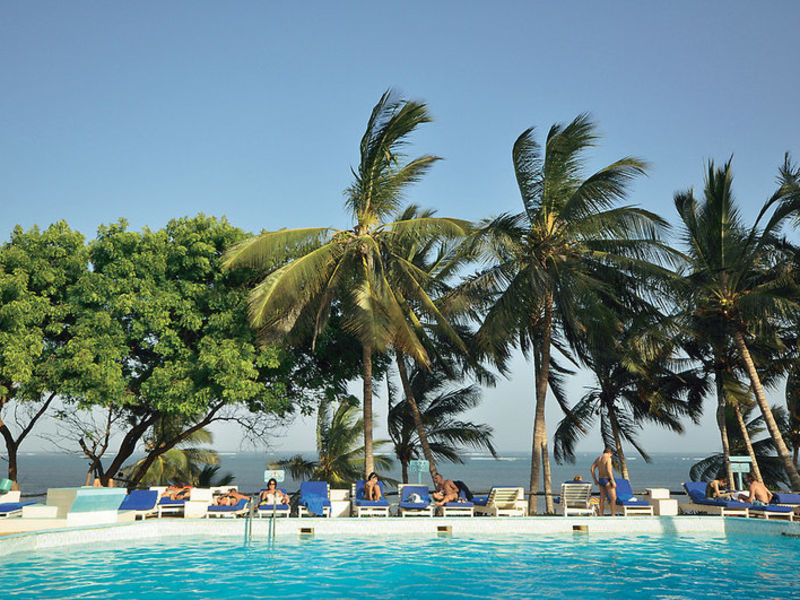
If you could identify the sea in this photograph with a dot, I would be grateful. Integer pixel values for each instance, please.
(39, 471)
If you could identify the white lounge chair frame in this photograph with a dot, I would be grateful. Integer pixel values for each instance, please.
(628, 511)
(504, 502)
(708, 509)
(457, 511)
(575, 499)
(766, 515)
(365, 511)
(413, 512)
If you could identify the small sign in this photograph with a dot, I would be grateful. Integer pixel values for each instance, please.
(740, 464)
(418, 466)
(278, 475)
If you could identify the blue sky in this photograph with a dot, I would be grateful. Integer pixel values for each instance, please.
(254, 110)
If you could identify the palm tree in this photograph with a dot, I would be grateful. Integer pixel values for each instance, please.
(313, 267)
(571, 246)
(738, 276)
(187, 463)
(638, 380)
(793, 408)
(339, 457)
(439, 401)
(771, 468)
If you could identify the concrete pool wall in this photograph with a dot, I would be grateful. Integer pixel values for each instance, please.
(484, 526)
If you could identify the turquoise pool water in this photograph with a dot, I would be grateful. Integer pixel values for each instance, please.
(576, 565)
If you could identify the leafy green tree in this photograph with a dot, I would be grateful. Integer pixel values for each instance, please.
(37, 269)
(739, 276)
(565, 260)
(312, 268)
(440, 402)
(771, 468)
(793, 408)
(162, 335)
(340, 458)
(638, 381)
(190, 462)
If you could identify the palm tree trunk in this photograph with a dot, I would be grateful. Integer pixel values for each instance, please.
(769, 419)
(748, 444)
(539, 427)
(404, 471)
(369, 462)
(618, 441)
(412, 403)
(533, 489)
(721, 424)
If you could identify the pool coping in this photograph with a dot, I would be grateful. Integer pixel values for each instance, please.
(437, 526)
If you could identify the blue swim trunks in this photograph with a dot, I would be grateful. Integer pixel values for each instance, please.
(603, 481)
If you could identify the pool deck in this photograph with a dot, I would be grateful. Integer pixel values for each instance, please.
(58, 536)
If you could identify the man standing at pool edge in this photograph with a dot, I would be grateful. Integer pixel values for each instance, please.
(604, 477)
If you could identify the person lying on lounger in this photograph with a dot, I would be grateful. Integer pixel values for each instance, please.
(177, 492)
(229, 498)
(446, 490)
(272, 495)
(759, 494)
(372, 491)
(715, 488)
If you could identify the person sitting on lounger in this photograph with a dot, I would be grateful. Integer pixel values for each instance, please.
(603, 476)
(177, 492)
(372, 491)
(446, 490)
(759, 494)
(715, 488)
(229, 498)
(272, 495)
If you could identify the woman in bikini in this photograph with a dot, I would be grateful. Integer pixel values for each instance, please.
(372, 490)
(273, 495)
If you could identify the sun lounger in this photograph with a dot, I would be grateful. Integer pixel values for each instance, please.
(502, 501)
(267, 510)
(314, 499)
(461, 508)
(141, 502)
(696, 490)
(368, 508)
(629, 503)
(235, 510)
(407, 507)
(575, 498)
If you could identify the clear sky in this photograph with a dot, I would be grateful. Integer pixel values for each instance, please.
(254, 110)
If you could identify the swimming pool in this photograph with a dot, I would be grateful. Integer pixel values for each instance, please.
(412, 566)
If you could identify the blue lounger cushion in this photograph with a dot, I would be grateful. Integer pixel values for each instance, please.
(697, 493)
(314, 496)
(271, 507)
(785, 498)
(140, 500)
(9, 507)
(360, 496)
(770, 508)
(238, 506)
(422, 491)
(625, 495)
(171, 502)
(462, 502)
